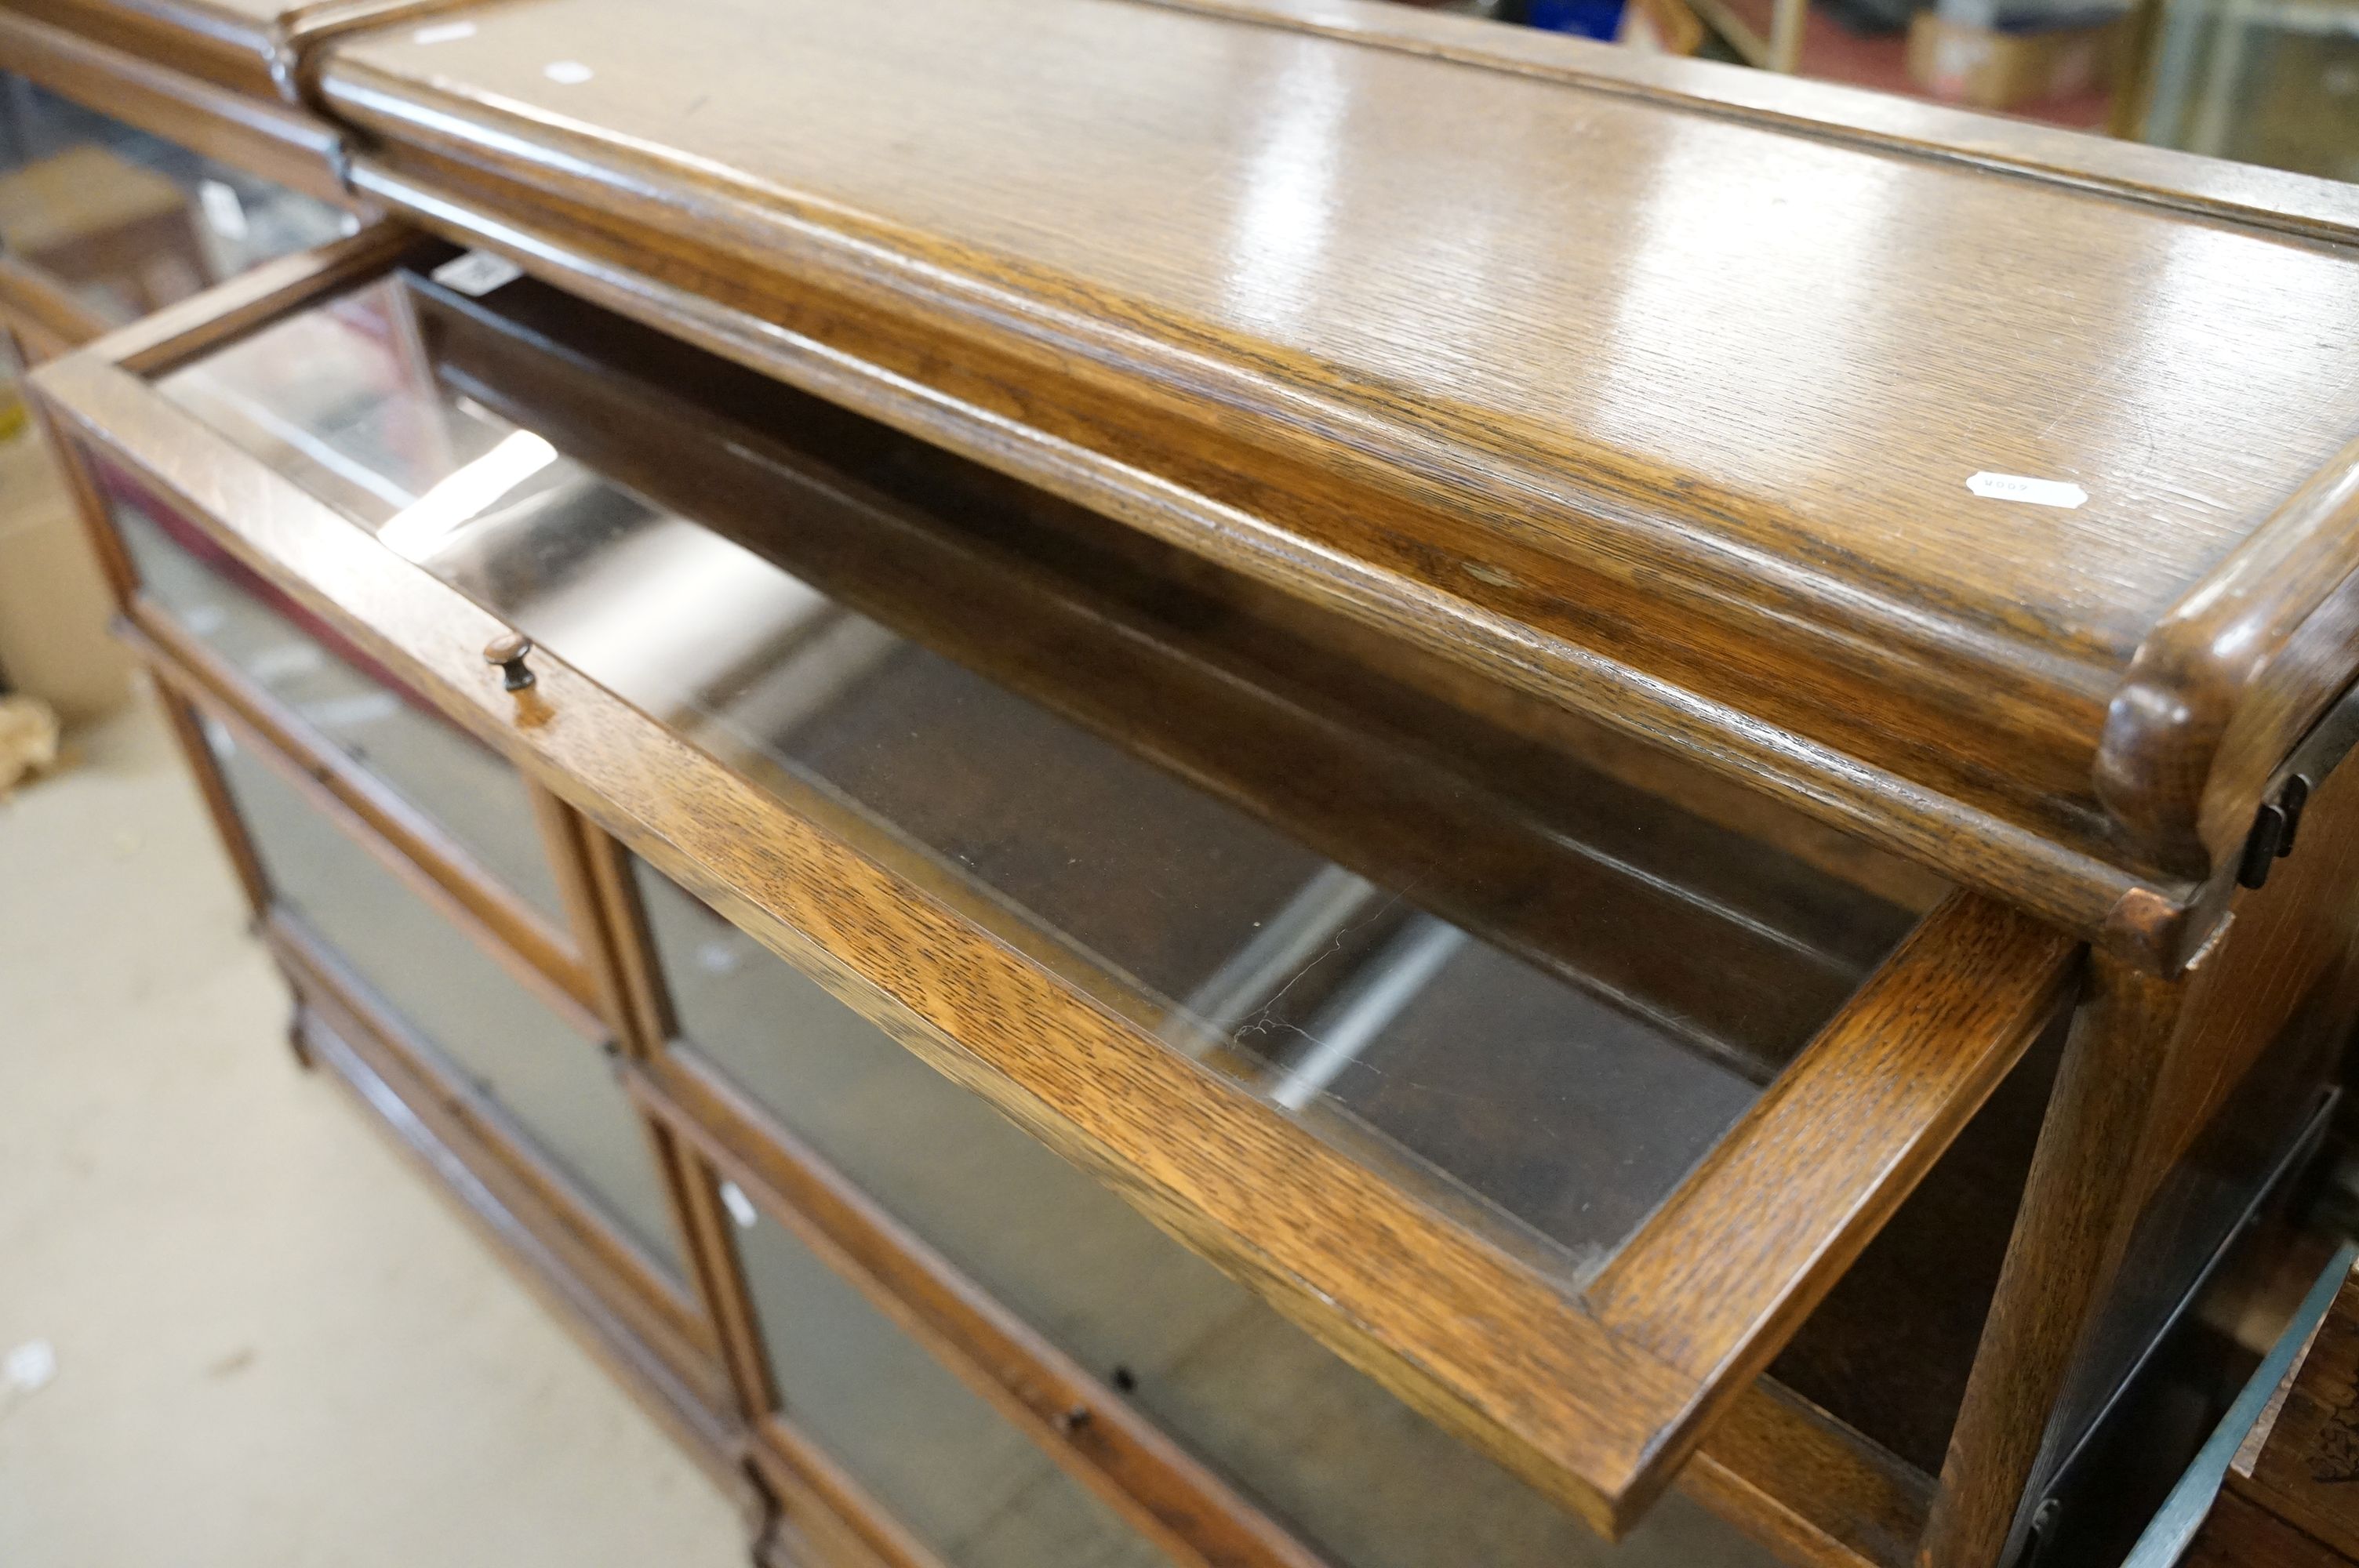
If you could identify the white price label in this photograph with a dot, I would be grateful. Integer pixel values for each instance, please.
(477, 273)
(740, 1206)
(2032, 492)
(224, 214)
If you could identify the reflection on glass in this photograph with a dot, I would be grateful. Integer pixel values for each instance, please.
(1346, 1466)
(452, 777)
(130, 222)
(1536, 990)
(551, 1080)
(940, 1459)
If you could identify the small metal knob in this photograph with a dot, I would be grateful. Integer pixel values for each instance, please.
(510, 653)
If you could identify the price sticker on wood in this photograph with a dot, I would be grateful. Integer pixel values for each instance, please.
(2031, 491)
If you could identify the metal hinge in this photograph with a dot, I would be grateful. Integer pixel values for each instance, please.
(2279, 816)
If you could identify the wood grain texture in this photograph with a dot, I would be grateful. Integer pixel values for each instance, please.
(587, 865)
(1490, 1348)
(1162, 1491)
(2148, 1065)
(1818, 1493)
(1751, 532)
(565, 843)
(1963, 845)
(661, 1316)
(2068, 1241)
(165, 338)
(1522, 841)
(2286, 962)
(231, 44)
(1727, 1268)
(1889, 1348)
(503, 918)
(1776, 1467)
(2232, 677)
(360, 808)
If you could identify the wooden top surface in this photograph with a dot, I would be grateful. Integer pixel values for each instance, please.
(1538, 339)
(285, 16)
(253, 45)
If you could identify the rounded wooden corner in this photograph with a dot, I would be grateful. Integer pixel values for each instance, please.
(2154, 760)
(2230, 679)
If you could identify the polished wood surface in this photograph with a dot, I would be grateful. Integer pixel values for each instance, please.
(156, 343)
(1166, 1494)
(2148, 1065)
(1599, 1390)
(1929, 1038)
(1230, 1176)
(1665, 413)
(1748, 938)
(1599, 1414)
(2274, 198)
(1809, 1485)
(231, 43)
(254, 47)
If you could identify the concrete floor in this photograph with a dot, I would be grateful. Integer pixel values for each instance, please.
(273, 1344)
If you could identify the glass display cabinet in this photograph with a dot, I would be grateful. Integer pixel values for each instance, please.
(1113, 901)
(150, 151)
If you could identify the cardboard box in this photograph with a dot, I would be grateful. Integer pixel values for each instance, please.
(1994, 69)
(54, 603)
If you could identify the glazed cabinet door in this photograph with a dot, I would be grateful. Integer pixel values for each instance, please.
(1545, 1084)
(102, 222)
(431, 898)
(533, 1064)
(1221, 1427)
(519, 1083)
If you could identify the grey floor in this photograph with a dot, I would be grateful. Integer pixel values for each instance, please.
(273, 1343)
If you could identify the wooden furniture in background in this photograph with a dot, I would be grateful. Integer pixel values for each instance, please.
(225, 78)
(190, 91)
(109, 225)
